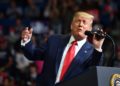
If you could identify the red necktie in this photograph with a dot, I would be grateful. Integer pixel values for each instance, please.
(68, 59)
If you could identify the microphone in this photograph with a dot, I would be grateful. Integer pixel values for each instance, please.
(97, 31)
(99, 34)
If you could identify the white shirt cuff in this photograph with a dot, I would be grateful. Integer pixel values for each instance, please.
(99, 49)
(24, 43)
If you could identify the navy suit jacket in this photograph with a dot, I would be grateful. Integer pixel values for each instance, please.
(51, 53)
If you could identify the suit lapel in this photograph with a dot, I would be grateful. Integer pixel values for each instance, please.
(84, 53)
(64, 41)
(80, 58)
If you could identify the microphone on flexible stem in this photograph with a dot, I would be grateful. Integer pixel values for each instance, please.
(97, 31)
(99, 34)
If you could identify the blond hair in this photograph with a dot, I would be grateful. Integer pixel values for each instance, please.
(84, 14)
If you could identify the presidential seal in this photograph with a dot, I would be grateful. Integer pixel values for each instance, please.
(115, 80)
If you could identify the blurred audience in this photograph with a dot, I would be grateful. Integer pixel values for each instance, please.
(46, 17)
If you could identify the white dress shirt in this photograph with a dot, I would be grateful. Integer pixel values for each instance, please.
(77, 48)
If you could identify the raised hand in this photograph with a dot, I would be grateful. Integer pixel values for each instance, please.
(98, 39)
(26, 34)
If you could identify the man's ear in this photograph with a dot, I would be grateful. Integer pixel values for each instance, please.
(71, 26)
(90, 29)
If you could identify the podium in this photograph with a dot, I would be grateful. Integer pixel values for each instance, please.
(95, 76)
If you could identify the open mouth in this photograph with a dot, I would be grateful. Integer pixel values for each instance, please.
(79, 30)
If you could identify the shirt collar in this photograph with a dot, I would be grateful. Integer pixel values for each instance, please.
(81, 42)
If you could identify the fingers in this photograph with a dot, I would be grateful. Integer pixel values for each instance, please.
(27, 29)
(98, 42)
(31, 30)
(26, 34)
(99, 35)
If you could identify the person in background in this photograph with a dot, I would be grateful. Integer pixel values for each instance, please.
(65, 56)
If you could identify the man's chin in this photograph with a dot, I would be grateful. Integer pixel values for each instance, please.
(80, 37)
(80, 34)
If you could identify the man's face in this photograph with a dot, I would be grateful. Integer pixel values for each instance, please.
(79, 26)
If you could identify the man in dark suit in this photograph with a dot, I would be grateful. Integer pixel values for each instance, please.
(54, 51)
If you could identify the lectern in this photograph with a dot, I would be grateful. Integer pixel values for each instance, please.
(96, 76)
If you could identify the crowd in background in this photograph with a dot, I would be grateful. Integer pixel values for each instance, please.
(48, 17)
